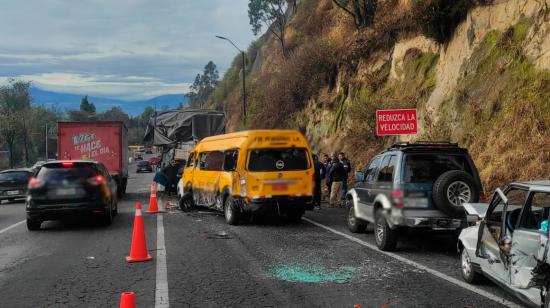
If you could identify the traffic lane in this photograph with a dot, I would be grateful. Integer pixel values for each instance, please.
(11, 213)
(436, 250)
(80, 263)
(277, 263)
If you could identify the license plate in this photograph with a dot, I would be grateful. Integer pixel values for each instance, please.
(66, 191)
(279, 187)
(12, 192)
(416, 202)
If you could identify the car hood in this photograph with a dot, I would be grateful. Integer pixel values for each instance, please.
(479, 209)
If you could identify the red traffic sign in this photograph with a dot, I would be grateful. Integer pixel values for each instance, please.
(396, 122)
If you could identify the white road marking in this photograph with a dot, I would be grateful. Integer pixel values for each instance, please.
(438, 274)
(161, 291)
(12, 226)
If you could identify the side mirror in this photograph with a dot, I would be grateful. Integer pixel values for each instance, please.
(359, 176)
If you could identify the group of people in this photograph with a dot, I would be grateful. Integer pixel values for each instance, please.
(335, 171)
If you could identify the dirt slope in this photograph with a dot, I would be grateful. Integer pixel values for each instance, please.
(485, 85)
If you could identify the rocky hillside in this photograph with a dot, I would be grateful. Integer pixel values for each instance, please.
(477, 71)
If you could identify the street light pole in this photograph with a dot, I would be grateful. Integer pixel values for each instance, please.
(244, 75)
(46, 142)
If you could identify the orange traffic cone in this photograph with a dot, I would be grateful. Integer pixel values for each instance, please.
(153, 205)
(127, 300)
(138, 248)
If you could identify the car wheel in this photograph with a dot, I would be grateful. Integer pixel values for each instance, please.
(115, 210)
(231, 215)
(186, 204)
(468, 273)
(452, 189)
(33, 225)
(108, 217)
(355, 224)
(386, 238)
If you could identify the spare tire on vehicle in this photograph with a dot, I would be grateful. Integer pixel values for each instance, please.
(453, 188)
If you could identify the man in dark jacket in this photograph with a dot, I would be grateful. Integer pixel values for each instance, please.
(336, 174)
(347, 168)
(327, 161)
(318, 176)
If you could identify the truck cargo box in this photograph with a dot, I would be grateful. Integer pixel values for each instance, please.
(103, 141)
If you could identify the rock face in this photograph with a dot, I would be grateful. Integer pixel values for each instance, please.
(499, 16)
(486, 87)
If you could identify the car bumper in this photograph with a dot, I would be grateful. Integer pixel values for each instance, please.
(276, 205)
(6, 197)
(397, 218)
(60, 211)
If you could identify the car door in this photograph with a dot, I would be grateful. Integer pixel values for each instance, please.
(364, 190)
(495, 233)
(530, 243)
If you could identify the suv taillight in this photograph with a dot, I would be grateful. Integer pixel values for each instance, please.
(35, 183)
(481, 196)
(397, 198)
(97, 180)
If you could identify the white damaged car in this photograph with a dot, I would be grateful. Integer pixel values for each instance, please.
(508, 241)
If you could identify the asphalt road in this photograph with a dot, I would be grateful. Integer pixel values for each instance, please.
(211, 264)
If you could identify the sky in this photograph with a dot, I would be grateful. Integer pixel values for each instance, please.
(124, 49)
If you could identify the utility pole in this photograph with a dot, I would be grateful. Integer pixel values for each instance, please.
(46, 155)
(244, 75)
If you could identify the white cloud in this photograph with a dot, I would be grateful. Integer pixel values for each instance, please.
(123, 48)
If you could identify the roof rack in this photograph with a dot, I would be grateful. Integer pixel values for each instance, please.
(423, 144)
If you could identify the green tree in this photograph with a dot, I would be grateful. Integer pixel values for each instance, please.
(15, 104)
(115, 114)
(203, 85)
(362, 11)
(273, 15)
(86, 106)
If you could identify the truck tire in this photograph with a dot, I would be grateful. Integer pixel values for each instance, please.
(385, 237)
(186, 204)
(231, 214)
(295, 216)
(355, 225)
(453, 188)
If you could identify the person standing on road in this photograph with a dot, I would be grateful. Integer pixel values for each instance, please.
(347, 168)
(336, 173)
(328, 179)
(318, 176)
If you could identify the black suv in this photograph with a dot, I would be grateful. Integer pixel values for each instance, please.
(413, 185)
(62, 189)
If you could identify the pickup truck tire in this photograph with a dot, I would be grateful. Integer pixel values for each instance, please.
(355, 224)
(453, 188)
(385, 237)
(466, 269)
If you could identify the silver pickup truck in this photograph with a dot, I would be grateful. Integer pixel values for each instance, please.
(508, 241)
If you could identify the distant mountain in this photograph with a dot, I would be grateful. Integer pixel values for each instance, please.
(67, 101)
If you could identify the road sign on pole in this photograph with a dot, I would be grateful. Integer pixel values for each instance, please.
(396, 122)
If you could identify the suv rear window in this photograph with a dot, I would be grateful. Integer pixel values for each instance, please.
(17, 176)
(143, 163)
(278, 159)
(426, 168)
(56, 173)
